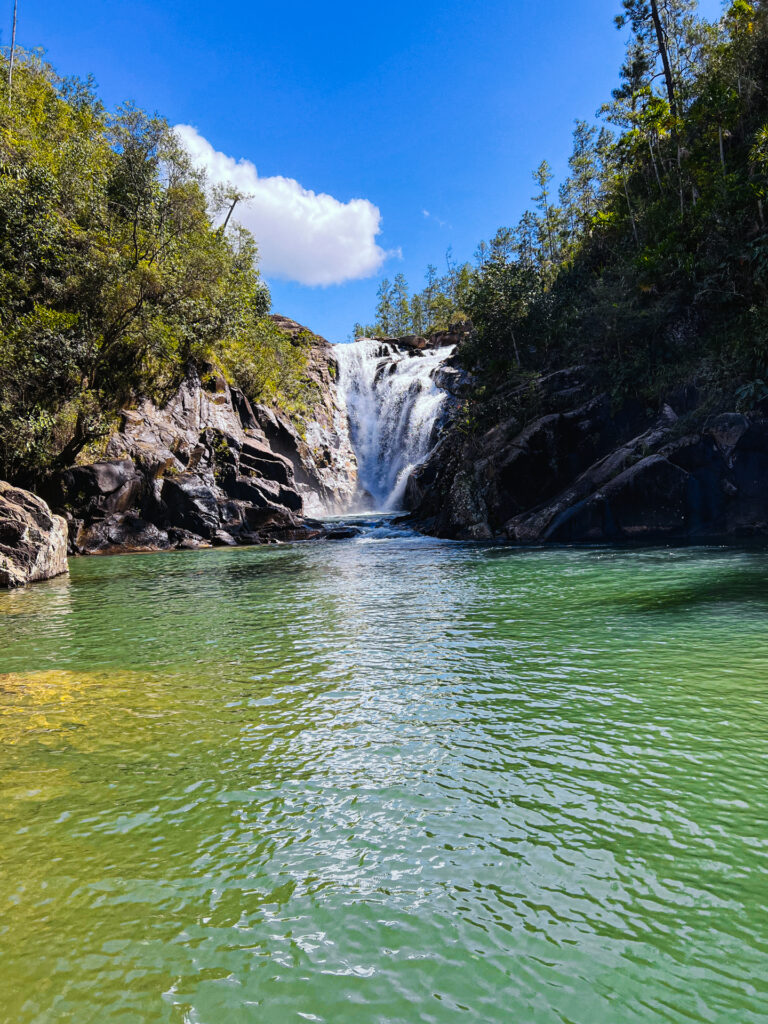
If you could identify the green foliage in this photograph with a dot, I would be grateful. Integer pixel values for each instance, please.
(270, 366)
(443, 301)
(113, 278)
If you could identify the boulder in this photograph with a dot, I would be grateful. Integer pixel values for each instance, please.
(454, 380)
(33, 541)
(120, 533)
(110, 485)
(191, 504)
(222, 539)
(413, 341)
(342, 533)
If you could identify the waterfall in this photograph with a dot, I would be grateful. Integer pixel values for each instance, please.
(393, 404)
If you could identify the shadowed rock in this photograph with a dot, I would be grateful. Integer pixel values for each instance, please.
(583, 473)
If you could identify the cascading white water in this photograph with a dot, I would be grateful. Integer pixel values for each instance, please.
(392, 403)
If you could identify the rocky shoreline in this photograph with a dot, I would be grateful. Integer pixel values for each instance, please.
(206, 469)
(210, 469)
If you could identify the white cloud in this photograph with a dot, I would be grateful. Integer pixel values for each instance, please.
(303, 236)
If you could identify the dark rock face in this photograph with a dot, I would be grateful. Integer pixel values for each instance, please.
(200, 471)
(190, 503)
(584, 474)
(33, 541)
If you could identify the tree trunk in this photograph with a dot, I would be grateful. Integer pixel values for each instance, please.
(75, 445)
(722, 151)
(661, 39)
(13, 53)
(229, 214)
(655, 167)
(629, 207)
(517, 354)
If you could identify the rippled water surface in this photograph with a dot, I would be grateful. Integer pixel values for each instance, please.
(384, 781)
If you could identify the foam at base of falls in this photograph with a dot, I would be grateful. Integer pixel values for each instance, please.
(393, 404)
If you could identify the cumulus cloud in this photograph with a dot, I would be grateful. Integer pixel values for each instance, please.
(304, 236)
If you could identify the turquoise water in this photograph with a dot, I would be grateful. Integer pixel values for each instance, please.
(384, 781)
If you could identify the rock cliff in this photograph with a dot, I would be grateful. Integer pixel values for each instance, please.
(33, 541)
(209, 468)
(582, 472)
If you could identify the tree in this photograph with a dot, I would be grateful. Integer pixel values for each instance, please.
(430, 296)
(417, 314)
(543, 176)
(226, 197)
(12, 58)
(401, 307)
(385, 314)
(668, 36)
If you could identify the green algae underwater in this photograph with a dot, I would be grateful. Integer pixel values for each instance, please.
(387, 781)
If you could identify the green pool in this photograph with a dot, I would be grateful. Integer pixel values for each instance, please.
(387, 781)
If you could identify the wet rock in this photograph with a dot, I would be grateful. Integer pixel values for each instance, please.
(183, 540)
(413, 341)
(120, 533)
(33, 541)
(342, 533)
(454, 380)
(222, 539)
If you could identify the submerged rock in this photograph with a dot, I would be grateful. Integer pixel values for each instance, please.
(33, 541)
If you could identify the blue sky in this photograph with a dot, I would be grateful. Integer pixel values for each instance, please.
(443, 107)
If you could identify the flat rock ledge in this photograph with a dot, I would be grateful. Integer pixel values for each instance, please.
(33, 541)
